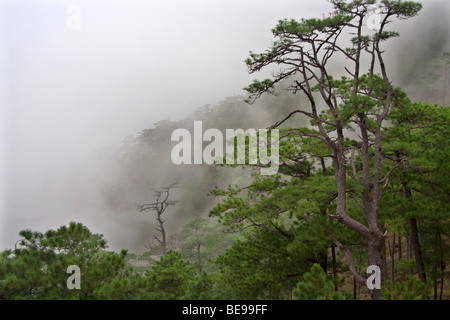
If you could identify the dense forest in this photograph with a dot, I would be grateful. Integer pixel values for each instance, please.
(362, 181)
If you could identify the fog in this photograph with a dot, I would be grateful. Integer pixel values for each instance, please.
(72, 94)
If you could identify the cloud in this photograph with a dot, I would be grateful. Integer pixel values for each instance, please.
(67, 93)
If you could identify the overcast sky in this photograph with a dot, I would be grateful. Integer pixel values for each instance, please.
(67, 91)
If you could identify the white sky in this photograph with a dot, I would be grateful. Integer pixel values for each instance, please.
(131, 63)
(65, 93)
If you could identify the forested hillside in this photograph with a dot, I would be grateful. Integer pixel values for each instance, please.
(362, 181)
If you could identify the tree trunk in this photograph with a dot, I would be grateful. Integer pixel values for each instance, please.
(385, 265)
(393, 261)
(324, 261)
(435, 268)
(359, 270)
(417, 250)
(409, 252)
(375, 259)
(163, 232)
(442, 279)
(440, 263)
(324, 167)
(163, 243)
(333, 266)
(441, 255)
(199, 257)
(400, 248)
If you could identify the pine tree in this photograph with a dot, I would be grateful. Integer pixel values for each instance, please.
(359, 101)
(316, 285)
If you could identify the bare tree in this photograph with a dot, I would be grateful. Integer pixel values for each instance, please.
(159, 206)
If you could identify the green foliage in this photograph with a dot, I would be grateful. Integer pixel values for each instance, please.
(283, 223)
(296, 205)
(76, 239)
(201, 288)
(169, 278)
(316, 285)
(37, 270)
(404, 266)
(202, 240)
(128, 286)
(266, 85)
(411, 289)
(418, 142)
(402, 9)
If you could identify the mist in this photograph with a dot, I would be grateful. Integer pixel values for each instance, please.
(69, 98)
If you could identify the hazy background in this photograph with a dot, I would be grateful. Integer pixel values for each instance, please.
(67, 95)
